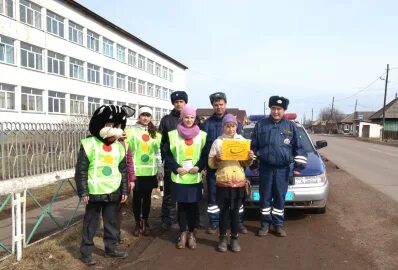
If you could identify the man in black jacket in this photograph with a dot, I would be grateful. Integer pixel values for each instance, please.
(168, 123)
(101, 178)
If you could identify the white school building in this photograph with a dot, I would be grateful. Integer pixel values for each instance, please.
(60, 61)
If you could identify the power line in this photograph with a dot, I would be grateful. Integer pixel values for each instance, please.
(363, 89)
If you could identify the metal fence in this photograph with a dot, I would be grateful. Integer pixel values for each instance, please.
(28, 149)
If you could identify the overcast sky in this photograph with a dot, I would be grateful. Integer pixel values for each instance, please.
(307, 51)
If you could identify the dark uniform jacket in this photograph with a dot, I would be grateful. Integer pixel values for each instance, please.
(168, 123)
(278, 144)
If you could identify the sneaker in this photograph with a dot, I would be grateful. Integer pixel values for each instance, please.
(116, 254)
(137, 229)
(242, 229)
(263, 231)
(191, 240)
(182, 240)
(235, 247)
(212, 230)
(88, 261)
(223, 243)
(278, 230)
(147, 229)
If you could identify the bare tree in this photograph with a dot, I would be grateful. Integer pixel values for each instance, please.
(326, 114)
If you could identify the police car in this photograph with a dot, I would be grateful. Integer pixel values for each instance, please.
(307, 191)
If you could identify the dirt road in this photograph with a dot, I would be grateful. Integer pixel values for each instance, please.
(359, 231)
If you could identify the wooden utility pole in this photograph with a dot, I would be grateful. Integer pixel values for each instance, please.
(354, 125)
(384, 104)
(331, 117)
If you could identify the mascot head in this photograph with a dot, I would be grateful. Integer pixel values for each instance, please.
(109, 121)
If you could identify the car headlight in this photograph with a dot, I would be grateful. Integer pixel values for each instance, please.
(310, 180)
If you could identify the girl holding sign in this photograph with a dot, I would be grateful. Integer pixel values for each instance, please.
(230, 181)
(186, 159)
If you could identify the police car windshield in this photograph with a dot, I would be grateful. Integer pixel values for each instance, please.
(307, 145)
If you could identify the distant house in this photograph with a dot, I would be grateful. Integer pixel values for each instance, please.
(204, 113)
(350, 124)
(391, 119)
(323, 126)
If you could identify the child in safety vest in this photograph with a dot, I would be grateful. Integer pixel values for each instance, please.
(230, 181)
(101, 178)
(144, 142)
(186, 159)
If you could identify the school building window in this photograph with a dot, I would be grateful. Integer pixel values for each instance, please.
(158, 114)
(107, 46)
(92, 41)
(6, 50)
(31, 99)
(121, 53)
(141, 87)
(157, 91)
(93, 73)
(121, 82)
(55, 63)
(149, 90)
(30, 13)
(55, 24)
(31, 56)
(108, 102)
(141, 62)
(56, 102)
(171, 76)
(75, 33)
(149, 66)
(157, 69)
(165, 73)
(165, 93)
(93, 104)
(108, 77)
(7, 97)
(76, 104)
(132, 58)
(7, 8)
(132, 85)
(76, 69)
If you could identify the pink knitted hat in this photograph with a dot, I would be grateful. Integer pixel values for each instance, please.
(188, 110)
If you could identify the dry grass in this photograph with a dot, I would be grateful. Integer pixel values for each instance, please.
(43, 195)
(62, 250)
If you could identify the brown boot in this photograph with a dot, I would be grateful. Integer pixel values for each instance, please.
(191, 240)
(147, 228)
(182, 240)
(137, 229)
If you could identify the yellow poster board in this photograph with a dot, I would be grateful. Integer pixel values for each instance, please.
(235, 149)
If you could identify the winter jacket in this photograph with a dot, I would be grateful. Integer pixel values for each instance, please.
(81, 179)
(278, 144)
(230, 173)
(168, 123)
(130, 163)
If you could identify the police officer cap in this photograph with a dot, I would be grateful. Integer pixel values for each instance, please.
(278, 101)
(216, 96)
(179, 95)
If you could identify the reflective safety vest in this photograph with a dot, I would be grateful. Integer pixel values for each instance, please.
(104, 176)
(186, 152)
(144, 149)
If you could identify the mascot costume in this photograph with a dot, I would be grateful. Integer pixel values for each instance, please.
(102, 178)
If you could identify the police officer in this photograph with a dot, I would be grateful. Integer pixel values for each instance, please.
(214, 128)
(277, 144)
(168, 123)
